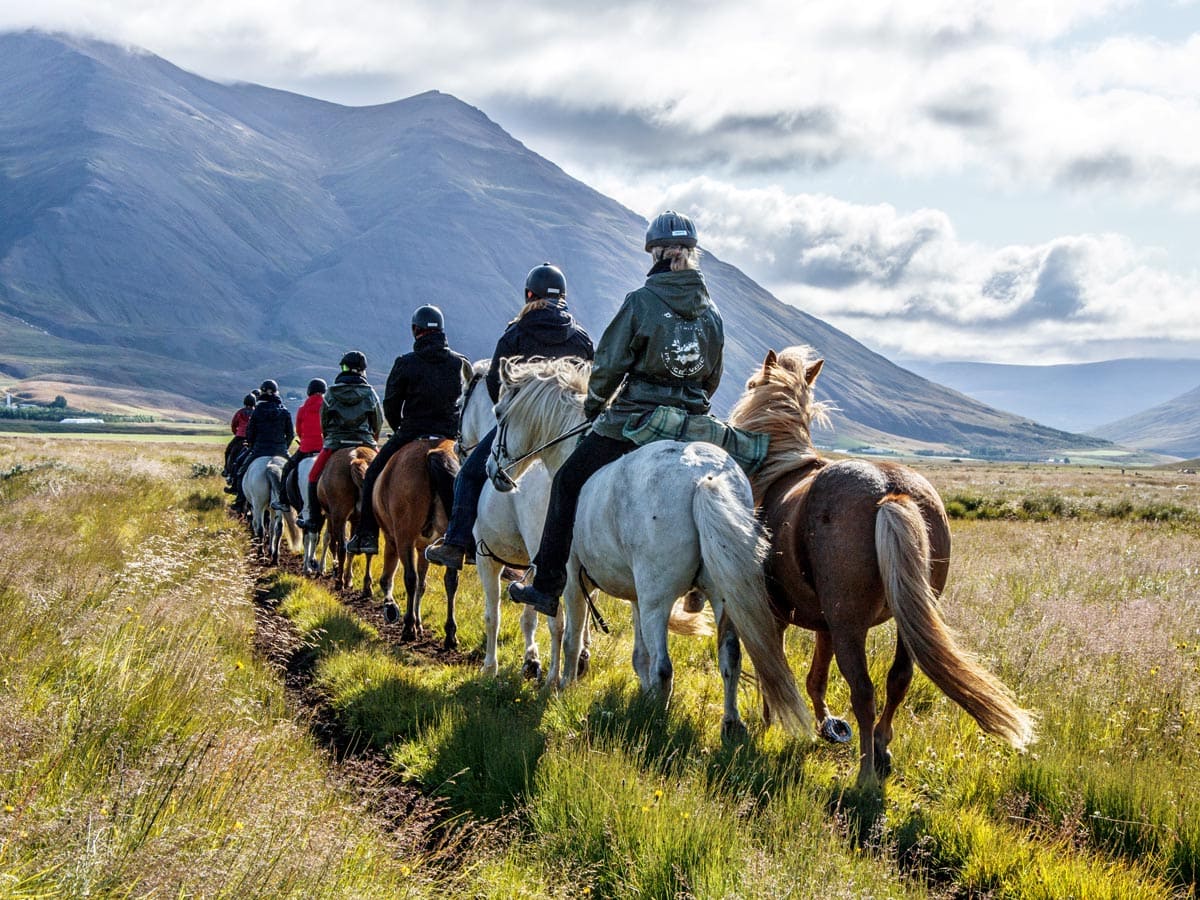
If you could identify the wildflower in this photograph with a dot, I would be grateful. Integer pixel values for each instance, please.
(238, 826)
(405, 870)
(8, 807)
(645, 809)
(238, 665)
(658, 795)
(129, 609)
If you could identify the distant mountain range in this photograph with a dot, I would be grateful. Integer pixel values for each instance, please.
(177, 236)
(1153, 404)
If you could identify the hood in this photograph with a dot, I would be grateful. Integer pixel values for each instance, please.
(431, 346)
(684, 292)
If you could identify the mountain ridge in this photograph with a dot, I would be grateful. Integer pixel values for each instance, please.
(211, 235)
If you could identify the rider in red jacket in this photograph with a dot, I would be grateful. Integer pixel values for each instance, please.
(308, 430)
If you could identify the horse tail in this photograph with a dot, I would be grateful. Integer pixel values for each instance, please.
(358, 466)
(733, 548)
(903, 550)
(685, 621)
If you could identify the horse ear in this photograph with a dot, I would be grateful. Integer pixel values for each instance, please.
(811, 373)
(769, 363)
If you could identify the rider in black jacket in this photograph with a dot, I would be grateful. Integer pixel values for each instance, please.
(421, 400)
(544, 329)
(269, 432)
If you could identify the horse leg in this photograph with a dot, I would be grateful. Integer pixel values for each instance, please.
(641, 656)
(850, 648)
(829, 727)
(450, 581)
(557, 627)
(898, 679)
(367, 585)
(489, 578)
(387, 582)
(655, 614)
(729, 659)
(412, 612)
(531, 669)
(572, 612)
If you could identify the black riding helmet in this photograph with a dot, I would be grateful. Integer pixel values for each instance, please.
(354, 361)
(546, 282)
(268, 387)
(317, 386)
(428, 318)
(249, 400)
(671, 228)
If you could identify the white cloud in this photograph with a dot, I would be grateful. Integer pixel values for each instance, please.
(905, 284)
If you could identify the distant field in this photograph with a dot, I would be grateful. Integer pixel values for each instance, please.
(150, 751)
(134, 431)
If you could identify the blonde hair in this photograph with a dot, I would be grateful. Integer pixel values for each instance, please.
(681, 257)
(536, 303)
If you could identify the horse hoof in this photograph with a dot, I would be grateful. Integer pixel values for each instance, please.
(836, 731)
(585, 663)
(532, 670)
(734, 730)
(883, 763)
(451, 643)
(391, 613)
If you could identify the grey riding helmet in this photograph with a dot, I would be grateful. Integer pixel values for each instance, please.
(671, 228)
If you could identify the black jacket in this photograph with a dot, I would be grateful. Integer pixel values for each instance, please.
(424, 387)
(270, 431)
(551, 333)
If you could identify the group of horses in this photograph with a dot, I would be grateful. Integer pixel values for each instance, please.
(832, 547)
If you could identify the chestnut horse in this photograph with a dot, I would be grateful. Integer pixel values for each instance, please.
(337, 491)
(855, 543)
(411, 516)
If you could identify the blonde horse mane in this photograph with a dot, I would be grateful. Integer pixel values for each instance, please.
(778, 401)
(545, 390)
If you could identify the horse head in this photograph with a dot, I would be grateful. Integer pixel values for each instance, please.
(540, 401)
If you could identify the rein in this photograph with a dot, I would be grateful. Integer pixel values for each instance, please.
(462, 414)
(500, 448)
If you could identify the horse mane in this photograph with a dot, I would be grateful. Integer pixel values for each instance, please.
(779, 402)
(480, 367)
(543, 384)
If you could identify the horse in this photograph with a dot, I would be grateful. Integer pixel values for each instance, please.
(261, 486)
(660, 522)
(315, 545)
(411, 516)
(853, 544)
(338, 490)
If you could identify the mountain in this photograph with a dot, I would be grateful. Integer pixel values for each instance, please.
(1172, 428)
(168, 233)
(1073, 397)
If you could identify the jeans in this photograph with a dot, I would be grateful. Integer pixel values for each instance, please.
(593, 453)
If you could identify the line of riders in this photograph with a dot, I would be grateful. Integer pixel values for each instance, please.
(664, 348)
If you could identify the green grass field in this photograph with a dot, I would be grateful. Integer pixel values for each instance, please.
(150, 752)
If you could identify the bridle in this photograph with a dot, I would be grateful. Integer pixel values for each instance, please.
(462, 414)
(500, 450)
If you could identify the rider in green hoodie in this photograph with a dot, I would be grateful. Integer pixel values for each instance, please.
(665, 346)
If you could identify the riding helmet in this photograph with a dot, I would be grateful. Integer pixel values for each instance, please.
(428, 318)
(249, 400)
(317, 386)
(269, 387)
(546, 282)
(354, 361)
(669, 229)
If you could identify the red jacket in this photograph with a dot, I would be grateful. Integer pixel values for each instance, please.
(241, 419)
(308, 424)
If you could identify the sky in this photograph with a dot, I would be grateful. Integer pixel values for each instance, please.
(1014, 181)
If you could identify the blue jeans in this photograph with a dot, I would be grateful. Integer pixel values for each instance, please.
(468, 485)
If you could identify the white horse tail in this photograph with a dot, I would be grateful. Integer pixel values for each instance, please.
(690, 624)
(733, 548)
(902, 547)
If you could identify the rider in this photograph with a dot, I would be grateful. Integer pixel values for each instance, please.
(543, 328)
(268, 433)
(664, 347)
(421, 400)
(237, 425)
(308, 430)
(350, 417)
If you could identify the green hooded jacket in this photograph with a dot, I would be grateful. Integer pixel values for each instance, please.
(351, 415)
(669, 340)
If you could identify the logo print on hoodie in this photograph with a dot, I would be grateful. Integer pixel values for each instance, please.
(682, 356)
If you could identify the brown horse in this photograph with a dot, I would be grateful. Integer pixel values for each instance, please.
(411, 516)
(337, 491)
(855, 543)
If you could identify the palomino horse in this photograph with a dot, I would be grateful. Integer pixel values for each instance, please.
(261, 487)
(337, 491)
(411, 516)
(855, 543)
(651, 527)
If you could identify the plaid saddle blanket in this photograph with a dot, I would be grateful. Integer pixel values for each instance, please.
(666, 423)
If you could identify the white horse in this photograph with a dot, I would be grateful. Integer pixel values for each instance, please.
(663, 521)
(507, 530)
(316, 546)
(261, 485)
